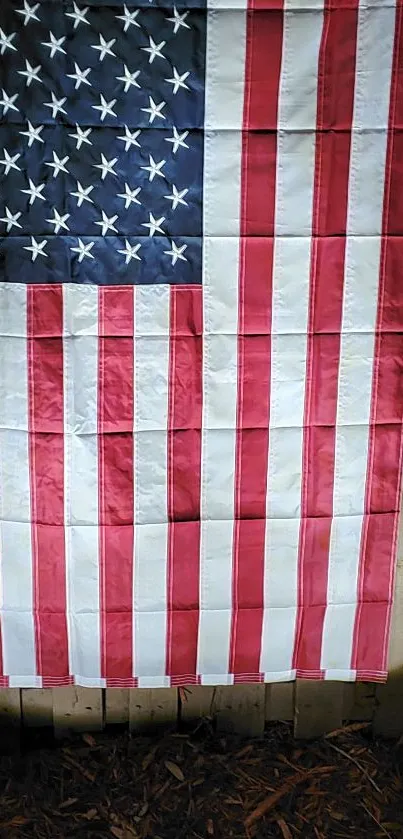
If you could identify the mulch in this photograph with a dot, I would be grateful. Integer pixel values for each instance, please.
(203, 785)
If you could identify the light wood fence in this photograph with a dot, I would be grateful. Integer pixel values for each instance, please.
(314, 708)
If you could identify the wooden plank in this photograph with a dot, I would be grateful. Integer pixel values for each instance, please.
(240, 709)
(358, 702)
(280, 701)
(116, 706)
(318, 707)
(77, 709)
(197, 703)
(388, 717)
(10, 719)
(151, 708)
(37, 707)
(10, 707)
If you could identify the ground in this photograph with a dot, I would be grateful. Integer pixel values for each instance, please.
(200, 784)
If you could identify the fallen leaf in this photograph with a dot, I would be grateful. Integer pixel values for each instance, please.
(175, 770)
(67, 803)
(337, 816)
(15, 821)
(89, 739)
(90, 814)
(116, 831)
(149, 759)
(210, 827)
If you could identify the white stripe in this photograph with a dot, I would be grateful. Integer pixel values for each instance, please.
(16, 585)
(225, 67)
(227, 4)
(80, 359)
(367, 171)
(151, 354)
(290, 302)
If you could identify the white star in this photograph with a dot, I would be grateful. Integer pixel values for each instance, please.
(5, 41)
(130, 196)
(154, 110)
(178, 20)
(28, 12)
(177, 197)
(107, 223)
(178, 81)
(9, 162)
(34, 191)
(130, 138)
(83, 250)
(177, 140)
(130, 252)
(37, 248)
(56, 105)
(154, 49)
(55, 44)
(105, 107)
(154, 225)
(31, 73)
(104, 47)
(11, 220)
(154, 168)
(79, 15)
(176, 253)
(81, 136)
(129, 78)
(8, 101)
(58, 220)
(129, 18)
(32, 133)
(80, 76)
(106, 166)
(58, 165)
(82, 194)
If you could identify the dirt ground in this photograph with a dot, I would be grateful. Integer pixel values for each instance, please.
(202, 785)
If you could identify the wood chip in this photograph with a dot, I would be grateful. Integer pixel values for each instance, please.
(285, 830)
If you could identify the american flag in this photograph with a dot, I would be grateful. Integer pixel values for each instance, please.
(201, 340)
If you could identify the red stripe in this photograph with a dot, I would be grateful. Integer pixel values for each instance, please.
(116, 502)
(46, 465)
(184, 480)
(262, 80)
(336, 75)
(3, 679)
(382, 500)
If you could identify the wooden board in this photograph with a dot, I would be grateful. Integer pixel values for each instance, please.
(318, 707)
(151, 708)
(116, 706)
(77, 709)
(240, 709)
(197, 703)
(280, 701)
(37, 707)
(358, 702)
(10, 719)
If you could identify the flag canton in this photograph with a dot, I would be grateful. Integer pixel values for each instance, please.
(101, 142)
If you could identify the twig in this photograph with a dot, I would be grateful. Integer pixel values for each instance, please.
(347, 729)
(376, 820)
(271, 800)
(358, 765)
(74, 763)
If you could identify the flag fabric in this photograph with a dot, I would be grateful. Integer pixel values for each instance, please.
(201, 340)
